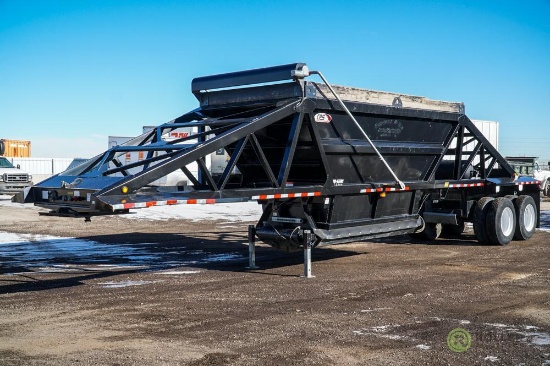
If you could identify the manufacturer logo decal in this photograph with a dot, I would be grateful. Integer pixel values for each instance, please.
(323, 117)
(389, 128)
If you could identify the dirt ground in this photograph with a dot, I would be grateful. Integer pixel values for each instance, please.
(176, 292)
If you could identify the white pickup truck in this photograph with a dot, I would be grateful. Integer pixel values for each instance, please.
(544, 177)
(528, 165)
(12, 179)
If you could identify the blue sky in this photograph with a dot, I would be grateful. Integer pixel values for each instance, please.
(74, 72)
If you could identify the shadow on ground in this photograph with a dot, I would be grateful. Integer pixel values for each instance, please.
(74, 260)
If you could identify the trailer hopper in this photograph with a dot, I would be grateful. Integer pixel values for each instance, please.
(329, 164)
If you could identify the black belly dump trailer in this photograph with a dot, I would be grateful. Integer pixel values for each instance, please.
(329, 164)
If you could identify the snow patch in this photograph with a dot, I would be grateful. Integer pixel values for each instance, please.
(382, 331)
(538, 339)
(46, 253)
(125, 284)
(545, 220)
(178, 272)
(5, 201)
(375, 309)
(497, 325)
(229, 212)
(383, 328)
(530, 336)
(376, 331)
(222, 257)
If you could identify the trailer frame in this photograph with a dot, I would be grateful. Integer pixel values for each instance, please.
(309, 162)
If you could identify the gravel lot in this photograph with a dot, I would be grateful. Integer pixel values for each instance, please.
(159, 291)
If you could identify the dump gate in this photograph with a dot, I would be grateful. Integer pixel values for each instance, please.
(325, 171)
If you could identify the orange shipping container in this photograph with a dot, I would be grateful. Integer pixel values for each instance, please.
(15, 148)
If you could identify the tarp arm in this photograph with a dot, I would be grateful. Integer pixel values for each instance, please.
(399, 182)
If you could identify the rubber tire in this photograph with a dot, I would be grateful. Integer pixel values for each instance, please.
(511, 197)
(479, 219)
(432, 231)
(521, 204)
(453, 231)
(496, 213)
(547, 189)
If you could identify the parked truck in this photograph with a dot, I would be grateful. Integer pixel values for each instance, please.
(12, 178)
(529, 166)
(328, 164)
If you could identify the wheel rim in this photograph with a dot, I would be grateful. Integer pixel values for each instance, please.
(507, 221)
(529, 217)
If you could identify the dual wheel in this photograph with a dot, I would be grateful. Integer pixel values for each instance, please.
(499, 220)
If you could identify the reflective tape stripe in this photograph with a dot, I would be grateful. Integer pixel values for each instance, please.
(377, 190)
(463, 185)
(285, 195)
(522, 183)
(127, 206)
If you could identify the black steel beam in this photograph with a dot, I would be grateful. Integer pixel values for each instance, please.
(140, 163)
(376, 110)
(190, 175)
(204, 169)
(471, 158)
(263, 160)
(183, 158)
(314, 131)
(339, 146)
(290, 148)
(458, 155)
(232, 162)
(256, 76)
(465, 121)
(119, 165)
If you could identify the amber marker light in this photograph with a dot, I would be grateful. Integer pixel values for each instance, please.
(124, 189)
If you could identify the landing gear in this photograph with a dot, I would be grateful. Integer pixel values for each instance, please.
(252, 247)
(308, 241)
